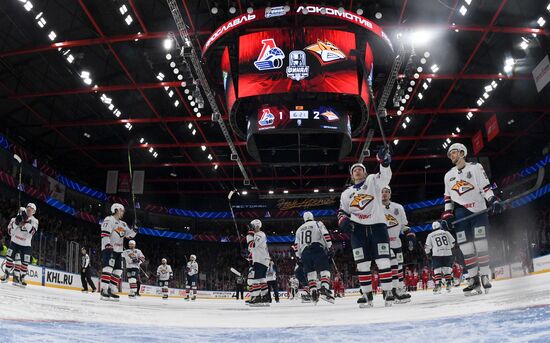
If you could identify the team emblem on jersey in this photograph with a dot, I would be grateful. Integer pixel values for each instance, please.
(267, 118)
(297, 69)
(361, 201)
(326, 52)
(391, 221)
(469, 175)
(461, 187)
(120, 231)
(271, 57)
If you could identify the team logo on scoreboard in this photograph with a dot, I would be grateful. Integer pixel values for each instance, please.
(328, 114)
(326, 52)
(276, 11)
(462, 187)
(391, 221)
(361, 201)
(267, 118)
(297, 69)
(271, 57)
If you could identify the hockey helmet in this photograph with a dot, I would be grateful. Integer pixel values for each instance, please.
(116, 206)
(132, 243)
(192, 257)
(388, 188)
(256, 224)
(31, 205)
(360, 165)
(307, 216)
(163, 261)
(436, 225)
(459, 147)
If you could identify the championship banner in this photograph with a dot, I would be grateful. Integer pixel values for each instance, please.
(492, 128)
(124, 183)
(477, 142)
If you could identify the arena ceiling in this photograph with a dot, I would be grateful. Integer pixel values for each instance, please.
(51, 106)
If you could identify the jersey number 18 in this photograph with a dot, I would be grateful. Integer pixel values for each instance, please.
(306, 237)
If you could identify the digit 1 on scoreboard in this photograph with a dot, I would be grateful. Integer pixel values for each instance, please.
(280, 115)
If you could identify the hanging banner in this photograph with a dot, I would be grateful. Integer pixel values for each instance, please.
(53, 188)
(541, 74)
(123, 183)
(492, 128)
(477, 142)
(112, 182)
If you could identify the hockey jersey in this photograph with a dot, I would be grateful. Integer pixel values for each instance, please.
(363, 201)
(396, 219)
(293, 282)
(257, 245)
(113, 232)
(134, 257)
(22, 234)
(192, 268)
(164, 272)
(84, 261)
(468, 187)
(311, 232)
(440, 243)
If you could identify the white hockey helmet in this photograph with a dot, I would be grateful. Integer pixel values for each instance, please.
(256, 223)
(116, 206)
(163, 261)
(459, 147)
(192, 257)
(388, 188)
(307, 216)
(436, 225)
(132, 242)
(360, 165)
(32, 205)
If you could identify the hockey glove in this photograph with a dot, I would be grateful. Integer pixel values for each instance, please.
(344, 223)
(495, 206)
(135, 260)
(383, 157)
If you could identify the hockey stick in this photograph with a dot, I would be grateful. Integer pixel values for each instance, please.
(144, 273)
(229, 196)
(235, 271)
(132, 183)
(538, 183)
(19, 185)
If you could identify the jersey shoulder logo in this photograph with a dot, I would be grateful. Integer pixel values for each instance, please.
(391, 221)
(326, 52)
(271, 57)
(361, 201)
(267, 118)
(461, 187)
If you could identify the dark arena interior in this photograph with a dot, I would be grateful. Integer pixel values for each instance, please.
(349, 168)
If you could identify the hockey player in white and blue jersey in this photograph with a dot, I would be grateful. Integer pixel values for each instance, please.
(314, 248)
(396, 220)
(361, 214)
(134, 258)
(21, 229)
(192, 270)
(257, 246)
(164, 276)
(467, 191)
(439, 244)
(113, 232)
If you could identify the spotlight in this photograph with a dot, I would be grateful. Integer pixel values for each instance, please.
(214, 10)
(168, 43)
(168, 57)
(172, 64)
(232, 10)
(378, 15)
(359, 11)
(249, 10)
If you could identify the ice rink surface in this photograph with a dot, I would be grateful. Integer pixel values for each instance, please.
(516, 310)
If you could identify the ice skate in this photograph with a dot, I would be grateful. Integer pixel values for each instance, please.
(389, 298)
(113, 296)
(449, 287)
(365, 301)
(486, 283)
(105, 295)
(193, 297)
(315, 296)
(15, 281)
(4, 278)
(400, 297)
(255, 301)
(306, 298)
(22, 283)
(131, 296)
(437, 289)
(326, 295)
(474, 287)
(164, 297)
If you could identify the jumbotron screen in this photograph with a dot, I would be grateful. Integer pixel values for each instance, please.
(306, 60)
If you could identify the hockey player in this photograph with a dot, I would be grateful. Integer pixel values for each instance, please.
(257, 245)
(21, 229)
(113, 232)
(164, 276)
(396, 220)
(457, 273)
(192, 270)
(361, 213)
(314, 248)
(467, 189)
(293, 285)
(134, 258)
(439, 245)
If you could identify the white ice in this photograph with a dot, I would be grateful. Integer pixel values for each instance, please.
(514, 310)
